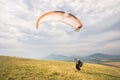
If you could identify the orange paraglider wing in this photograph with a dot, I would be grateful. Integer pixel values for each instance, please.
(61, 16)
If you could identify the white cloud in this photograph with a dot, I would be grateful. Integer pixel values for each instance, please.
(18, 33)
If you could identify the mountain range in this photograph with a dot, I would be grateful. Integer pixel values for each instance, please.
(102, 56)
(90, 58)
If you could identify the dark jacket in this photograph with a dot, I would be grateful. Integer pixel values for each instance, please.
(78, 64)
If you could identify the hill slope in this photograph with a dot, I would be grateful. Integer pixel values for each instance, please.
(12, 68)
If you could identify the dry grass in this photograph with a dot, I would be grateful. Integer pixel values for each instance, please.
(12, 68)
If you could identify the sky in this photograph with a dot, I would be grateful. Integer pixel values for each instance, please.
(100, 32)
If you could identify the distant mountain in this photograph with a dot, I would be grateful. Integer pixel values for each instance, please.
(101, 56)
(58, 57)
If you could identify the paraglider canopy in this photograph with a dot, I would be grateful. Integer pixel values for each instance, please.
(60, 16)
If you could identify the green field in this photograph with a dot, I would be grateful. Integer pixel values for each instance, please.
(12, 68)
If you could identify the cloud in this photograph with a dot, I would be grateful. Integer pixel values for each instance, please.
(18, 36)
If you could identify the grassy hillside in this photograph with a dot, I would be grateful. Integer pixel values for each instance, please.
(12, 68)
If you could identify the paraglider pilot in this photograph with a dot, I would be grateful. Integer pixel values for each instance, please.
(78, 65)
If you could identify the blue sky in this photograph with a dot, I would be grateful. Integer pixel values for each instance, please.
(19, 37)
